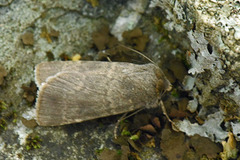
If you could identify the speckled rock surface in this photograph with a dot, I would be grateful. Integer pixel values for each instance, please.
(29, 32)
(213, 30)
(32, 30)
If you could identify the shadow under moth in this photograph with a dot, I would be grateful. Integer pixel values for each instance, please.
(73, 92)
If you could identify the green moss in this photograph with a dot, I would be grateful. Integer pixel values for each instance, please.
(125, 133)
(175, 93)
(134, 137)
(119, 152)
(3, 124)
(33, 142)
(3, 106)
(3, 116)
(98, 151)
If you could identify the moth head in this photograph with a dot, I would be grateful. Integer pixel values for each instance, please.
(163, 83)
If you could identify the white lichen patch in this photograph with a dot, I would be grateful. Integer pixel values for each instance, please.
(215, 39)
(202, 59)
(211, 128)
(236, 130)
(175, 14)
(192, 105)
(188, 82)
(126, 21)
(29, 114)
(22, 132)
(233, 86)
(219, 18)
(128, 18)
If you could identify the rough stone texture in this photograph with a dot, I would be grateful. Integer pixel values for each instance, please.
(209, 29)
(58, 27)
(213, 30)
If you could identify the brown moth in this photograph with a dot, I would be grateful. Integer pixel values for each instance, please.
(72, 92)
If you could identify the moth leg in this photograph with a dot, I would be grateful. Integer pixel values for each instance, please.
(117, 124)
(174, 127)
(108, 58)
(124, 116)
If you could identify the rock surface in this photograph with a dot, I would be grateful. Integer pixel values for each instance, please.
(207, 30)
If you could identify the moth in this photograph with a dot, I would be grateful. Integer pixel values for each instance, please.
(77, 91)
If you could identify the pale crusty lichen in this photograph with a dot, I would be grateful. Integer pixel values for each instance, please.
(213, 28)
(210, 129)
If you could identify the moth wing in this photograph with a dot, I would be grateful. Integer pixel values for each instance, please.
(71, 97)
(45, 70)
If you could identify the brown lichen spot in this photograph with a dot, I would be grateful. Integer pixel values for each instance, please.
(50, 56)
(178, 69)
(181, 110)
(182, 104)
(148, 128)
(102, 39)
(136, 39)
(156, 122)
(114, 155)
(49, 35)
(173, 144)
(177, 113)
(94, 3)
(27, 38)
(64, 57)
(53, 33)
(125, 151)
(29, 123)
(3, 73)
(30, 92)
(204, 146)
(191, 155)
(141, 120)
(110, 48)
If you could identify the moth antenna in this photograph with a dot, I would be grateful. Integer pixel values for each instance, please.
(134, 50)
(124, 116)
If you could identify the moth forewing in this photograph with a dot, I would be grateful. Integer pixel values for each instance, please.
(79, 91)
